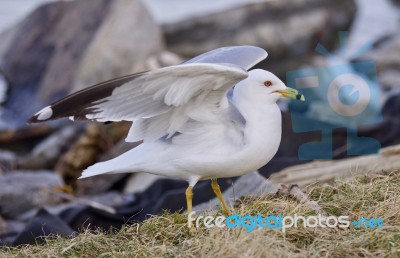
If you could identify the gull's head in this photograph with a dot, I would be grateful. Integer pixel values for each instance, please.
(268, 86)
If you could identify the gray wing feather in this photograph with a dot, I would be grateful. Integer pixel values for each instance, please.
(242, 56)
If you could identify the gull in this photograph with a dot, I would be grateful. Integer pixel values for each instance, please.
(206, 118)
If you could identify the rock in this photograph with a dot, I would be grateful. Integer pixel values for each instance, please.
(3, 91)
(138, 182)
(388, 64)
(79, 43)
(105, 202)
(3, 226)
(42, 59)
(22, 190)
(127, 37)
(23, 139)
(111, 198)
(8, 161)
(15, 226)
(288, 30)
(121, 147)
(97, 184)
(47, 152)
(165, 58)
(7, 38)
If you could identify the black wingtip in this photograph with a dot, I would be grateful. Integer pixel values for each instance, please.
(31, 120)
(42, 116)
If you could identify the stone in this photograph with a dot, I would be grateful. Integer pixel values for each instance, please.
(8, 161)
(48, 151)
(288, 30)
(388, 64)
(127, 37)
(3, 226)
(41, 60)
(23, 139)
(68, 45)
(23, 190)
(138, 182)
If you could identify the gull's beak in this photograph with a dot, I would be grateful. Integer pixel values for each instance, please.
(291, 93)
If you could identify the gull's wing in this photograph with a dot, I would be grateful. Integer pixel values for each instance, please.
(156, 99)
(242, 56)
(165, 101)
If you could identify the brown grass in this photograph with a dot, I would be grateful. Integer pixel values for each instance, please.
(168, 236)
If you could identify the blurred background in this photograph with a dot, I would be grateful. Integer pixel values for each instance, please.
(49, 49)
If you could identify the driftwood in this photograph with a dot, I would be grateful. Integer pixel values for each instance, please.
(326, 171)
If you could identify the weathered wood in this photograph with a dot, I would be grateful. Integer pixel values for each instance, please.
(326, 171)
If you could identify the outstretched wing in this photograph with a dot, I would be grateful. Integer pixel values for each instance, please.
(242, 56)
(159, 95)
(162, 101)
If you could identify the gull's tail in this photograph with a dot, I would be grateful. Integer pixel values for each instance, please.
(99, 169)
(121, 164)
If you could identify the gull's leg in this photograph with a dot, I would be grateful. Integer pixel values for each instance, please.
(189, 198)
(219, 195)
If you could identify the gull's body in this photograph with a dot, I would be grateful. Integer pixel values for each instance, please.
(207, 118)
(223, 145)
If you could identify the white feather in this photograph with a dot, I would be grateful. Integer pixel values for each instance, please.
(189, 129)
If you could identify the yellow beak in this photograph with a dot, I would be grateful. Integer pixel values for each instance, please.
(291, 93)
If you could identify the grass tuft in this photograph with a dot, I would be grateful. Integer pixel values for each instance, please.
(167, 235)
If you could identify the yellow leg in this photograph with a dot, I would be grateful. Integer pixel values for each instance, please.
(189, 199)
(218, 193)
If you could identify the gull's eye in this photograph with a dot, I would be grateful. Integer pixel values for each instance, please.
(267, 83)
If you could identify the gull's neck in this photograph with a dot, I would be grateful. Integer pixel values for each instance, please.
(257, 108)
(261, 118)
(263, 129)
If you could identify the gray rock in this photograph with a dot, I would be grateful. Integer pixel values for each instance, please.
(97, 184)
(22, 190)
(287, 29)
(47, 152)
(7, 38)
(64, 46)
(15, 226)
(3, 226)
(387, 62)
(106, 202)
(7, 161)
(41, 60)
(128, 36)
(138, 182)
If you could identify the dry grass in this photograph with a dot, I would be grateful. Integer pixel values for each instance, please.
(167, 235)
